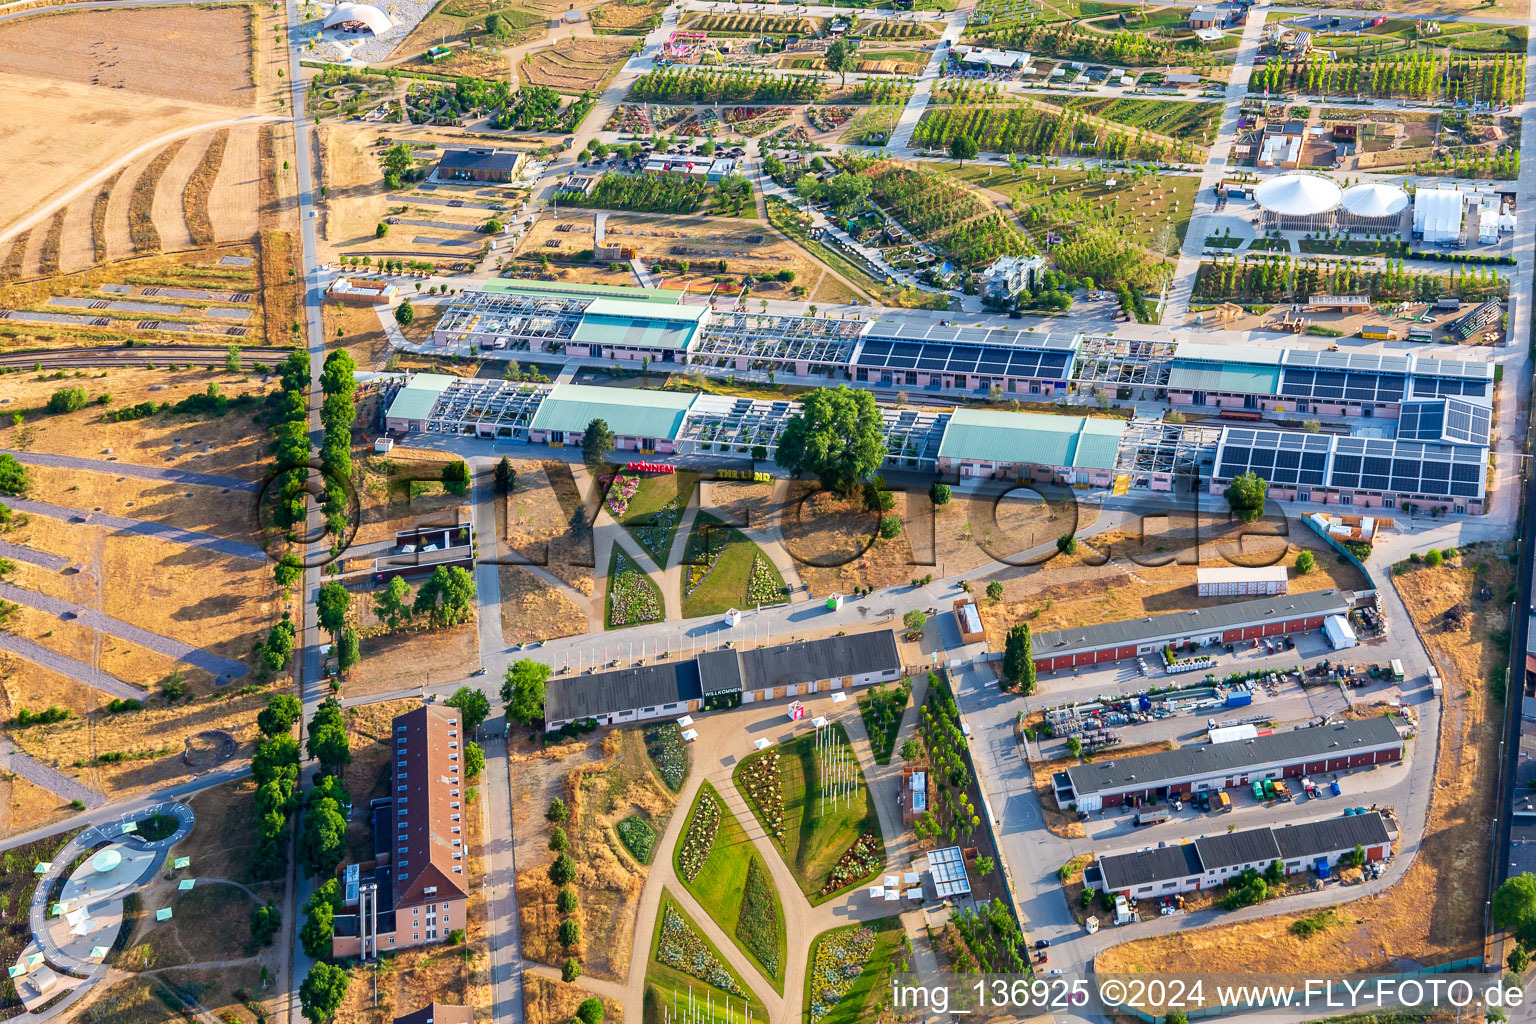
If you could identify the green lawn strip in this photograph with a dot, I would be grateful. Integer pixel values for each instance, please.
(640, 580)
(719, 886)
(668, 980)
(655, 491)
(881, 708)
(726, 585)
(815, 835)
(850, 1008)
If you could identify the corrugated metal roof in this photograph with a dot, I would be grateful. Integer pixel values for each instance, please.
(629, 412)
(1129, 870)
(626, 689)
(1209, 760)
(1179, 624)
(1331, 834)
(649, 296)
(605, 306)
(991, 436)
(1255, 846)
(1242, 574)
(421, 392)
(1240, 377)
(827, 658)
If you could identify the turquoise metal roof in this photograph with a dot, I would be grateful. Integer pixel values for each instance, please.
(988, 436)
(637, 324)
(1239, 377)
(421, 392)
(630, 412)
(655, 296)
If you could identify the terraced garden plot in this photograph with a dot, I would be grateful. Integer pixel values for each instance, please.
(575, 66)
(1196, 122)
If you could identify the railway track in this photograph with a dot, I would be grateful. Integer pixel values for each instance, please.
(137, 355)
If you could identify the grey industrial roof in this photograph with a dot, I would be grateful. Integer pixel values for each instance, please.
(1342, 833)
(1255, 846)
(1120, 871)
(479, 159)
(829, 657)
(1129, 870)
(625, 689)
(720, 671)
(1208, 760)
(1177, 624)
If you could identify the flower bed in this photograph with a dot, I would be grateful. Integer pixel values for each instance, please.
(763, 780)
(859, 861)
(826, 119)
(655, 534)
(638, 836)
(617, 490)
(693, 851)
(704, 550)
(664, 744)
(764, 585)
(758, 925)
(682, 948)
(840, 959)
(632, 595)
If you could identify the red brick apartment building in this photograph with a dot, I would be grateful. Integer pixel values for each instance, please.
(416, 888)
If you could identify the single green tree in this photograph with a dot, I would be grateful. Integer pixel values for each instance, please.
(232, 359)
(838, 435)
(915, 620)
(277, 718)
(911, 750)
(596, 442)
(1018, 659)
(474, 761)
(590, 1011)
(962, 148)
(558, 813)
(399, 161)
(523, 691)
(570, 970)
(322, 993)
(331, 605)
(473, 705)
(67, 400)
(841, 58)
(1305, 563)
(1245, 496)
(566, 900)
(995, 590)
(1074, 746)
(13, 476)
(505, 476)
(405, 314)
(380, 230)
(348, 649)
(1066, 544)
(939, 493)
(392, 605)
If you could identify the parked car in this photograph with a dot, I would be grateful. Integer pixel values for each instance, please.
(1042, 943)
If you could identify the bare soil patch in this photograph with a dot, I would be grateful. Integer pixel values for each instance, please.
(201, 54)
(236, 195)
(77, 248)
(533, 610)
(357, 329)
(539, 522)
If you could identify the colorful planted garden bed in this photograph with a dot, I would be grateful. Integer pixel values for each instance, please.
(638, 836)
(699, 838)
(664, 743)
(632, 597)
(681, 948)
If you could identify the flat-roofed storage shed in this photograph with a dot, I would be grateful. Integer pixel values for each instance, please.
(1171, 774)
(1031, 446)
(1227, 581)
(411, 408)
(642, 421)
(621, 328)
(1226, 623)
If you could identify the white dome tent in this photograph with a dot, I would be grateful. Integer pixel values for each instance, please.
(355, 17)
(1374, 206)
(1298, 202)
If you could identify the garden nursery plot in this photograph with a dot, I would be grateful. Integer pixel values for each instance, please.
(575, 66)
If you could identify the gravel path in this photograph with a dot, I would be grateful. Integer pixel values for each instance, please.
(165, 474)
(140, 526)
(221, 667)
(76, 670)
(51, 562)
(62, 786)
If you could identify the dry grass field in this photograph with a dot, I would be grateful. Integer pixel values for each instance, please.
(83, 88)
(604, 778)
(1435, 912)
(748, 247)
(357, 329)
(546, 1001)
(235, 199)
(168, 209)
(533, 610)
(536, 519)
(575, 65)
(141, 202)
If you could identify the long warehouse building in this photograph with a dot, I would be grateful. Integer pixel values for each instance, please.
(1215, 860)
(1171, 774)
(1104, 642)
(502, 319)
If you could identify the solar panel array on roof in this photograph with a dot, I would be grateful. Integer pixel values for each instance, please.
(1346, 385)
(1408, 467)
(909, 331)
(1452, 420)
(1280, 457)
(1367, 361)
(947, 357)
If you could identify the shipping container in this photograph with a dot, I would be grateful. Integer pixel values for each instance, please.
(1239, 698)
(1151, 818)
(1397, 670)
